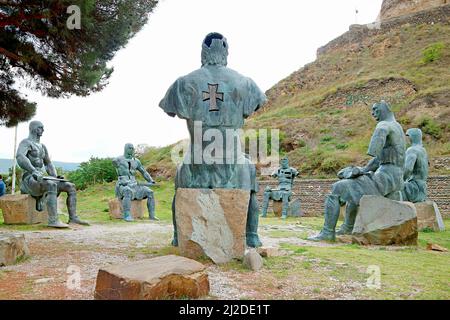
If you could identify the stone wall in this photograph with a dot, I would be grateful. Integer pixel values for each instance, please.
(396, 8)
(312, 193)
(357, 34)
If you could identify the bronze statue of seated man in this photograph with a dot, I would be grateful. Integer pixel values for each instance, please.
(32, 158)
(286, 176)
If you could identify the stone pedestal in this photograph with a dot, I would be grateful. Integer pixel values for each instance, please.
(212, 222)
(381, 221)
(12, 248)
(277, 207)
(138, 208)
(21, 209)
(294, 209)
(429, 216)
(165, 277)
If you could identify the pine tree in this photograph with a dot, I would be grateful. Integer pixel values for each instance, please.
(38, 48)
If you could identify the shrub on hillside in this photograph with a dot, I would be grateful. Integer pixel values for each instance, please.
(429, 126)
(433, 52)
(96, 170)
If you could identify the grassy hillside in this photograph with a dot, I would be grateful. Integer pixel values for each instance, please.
(323, 109)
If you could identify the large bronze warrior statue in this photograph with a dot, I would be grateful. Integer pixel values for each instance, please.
(33, 158)
(382, 176)
(216, 99)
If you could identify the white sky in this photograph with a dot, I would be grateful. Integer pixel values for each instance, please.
(268, 39)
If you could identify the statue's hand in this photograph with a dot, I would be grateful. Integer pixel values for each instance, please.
(60, 177)
(350, 172)
(37, 175)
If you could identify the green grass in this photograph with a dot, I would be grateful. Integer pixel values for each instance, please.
(92, 205)
(93, 202)
(406, 272)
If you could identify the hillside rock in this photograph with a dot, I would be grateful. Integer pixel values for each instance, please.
(165, 277)
(381, 221)
(212, 222)
(396, 8)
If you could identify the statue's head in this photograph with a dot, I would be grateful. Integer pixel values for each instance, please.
(284, 163)
(128, 150)
(381, 111)
(414, 135)
(214, 50)
(36, 128)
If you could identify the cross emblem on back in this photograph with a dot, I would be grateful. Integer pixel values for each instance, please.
(212, 95)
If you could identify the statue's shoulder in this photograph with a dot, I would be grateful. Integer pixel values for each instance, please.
(25, 144)
(118, 159)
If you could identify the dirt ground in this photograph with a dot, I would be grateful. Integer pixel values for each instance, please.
(57, 254)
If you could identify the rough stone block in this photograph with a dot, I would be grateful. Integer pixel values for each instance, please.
(12, 247)
(277, 207)
(381, 221)
(165, 277)
(138, 208)
(212, 222)
(429, 216)
(253, 260)
(294, 209)
(21, 209)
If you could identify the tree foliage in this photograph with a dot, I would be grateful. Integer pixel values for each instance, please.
(96, 170)
(37, 47)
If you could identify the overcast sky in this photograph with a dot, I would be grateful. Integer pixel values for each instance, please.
(268, 41)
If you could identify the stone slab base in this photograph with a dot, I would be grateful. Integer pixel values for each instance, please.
(212, 222)
(21, 209)
(138, 208)
(12, 248)
(294, 209)
(381, 221)
(166, 277)
(429, 216)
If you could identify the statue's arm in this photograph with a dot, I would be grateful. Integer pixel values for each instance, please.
(378, 140)
(275, 174)
(21, 157)
(49, 167)
(372, 165)
(144, 172)
(410, 161)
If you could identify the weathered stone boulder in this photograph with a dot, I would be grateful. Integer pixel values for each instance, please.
(212, 222)
(21, 209)
(137, 208)
(165, 277)
(253, 260)
(381, 221)
(12, 248)
(429, 216)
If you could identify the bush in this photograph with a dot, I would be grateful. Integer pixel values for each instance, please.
(433, 52)
(96, 170)
(429, 126)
